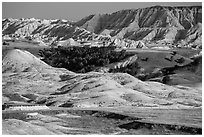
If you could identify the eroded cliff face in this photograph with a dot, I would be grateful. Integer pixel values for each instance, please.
(168, 24)
(47, 31)
(154, 25)
(153, 17)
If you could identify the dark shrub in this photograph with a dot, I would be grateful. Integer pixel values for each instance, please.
(81, 59)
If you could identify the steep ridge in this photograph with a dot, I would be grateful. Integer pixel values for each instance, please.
(59, 87)
(158, 16)
(147, 24)
(177, 26)
(49, 31)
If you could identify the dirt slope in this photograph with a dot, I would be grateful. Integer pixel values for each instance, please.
(59, 87)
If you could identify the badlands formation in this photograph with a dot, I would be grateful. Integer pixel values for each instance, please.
(101, 102)
(146, 27)
(25, 74)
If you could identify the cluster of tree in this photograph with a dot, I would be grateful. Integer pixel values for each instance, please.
(180, 60)
(193, 66)
(5, 43)
(81, 59)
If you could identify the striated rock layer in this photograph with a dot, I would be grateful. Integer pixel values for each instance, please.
(177, 26)
(161, 24)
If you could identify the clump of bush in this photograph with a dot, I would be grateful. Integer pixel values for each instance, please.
(81, 59)
(5, 43)
(180, 60)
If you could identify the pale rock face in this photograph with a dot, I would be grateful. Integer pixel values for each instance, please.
(69, 42)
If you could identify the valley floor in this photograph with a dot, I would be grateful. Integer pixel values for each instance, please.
(120, 121)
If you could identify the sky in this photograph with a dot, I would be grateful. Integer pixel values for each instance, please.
(74, 11)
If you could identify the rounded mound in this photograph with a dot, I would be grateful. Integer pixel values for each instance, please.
(21, 61)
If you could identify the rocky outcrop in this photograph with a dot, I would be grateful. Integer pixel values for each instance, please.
(68, 42)
(118, 65)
